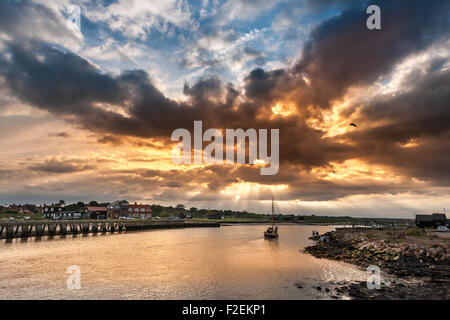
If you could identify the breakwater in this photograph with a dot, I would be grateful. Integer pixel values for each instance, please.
(418, 262)
(24, 229)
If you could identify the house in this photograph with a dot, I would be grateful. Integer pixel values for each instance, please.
(142, 211)
(431, 220)
(52, 211)
(214, 215)
(15, 208)
(117, 209)
(97, 212)
(40, 209)
(440, 219)
(66, 215)
(123, 208)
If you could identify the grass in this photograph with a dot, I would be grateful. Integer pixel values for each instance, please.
(370, 235)
(21, 216)
(416, 232)
(230, 219)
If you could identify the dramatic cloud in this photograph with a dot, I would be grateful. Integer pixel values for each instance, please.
(393, 82)
(61, 166)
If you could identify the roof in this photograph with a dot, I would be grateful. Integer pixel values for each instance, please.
(119, 201)
(439, 216)
(424, 217)
(431, 217)
(94, 208)
(140, 206)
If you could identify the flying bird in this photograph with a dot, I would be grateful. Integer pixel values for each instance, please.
(353, 125)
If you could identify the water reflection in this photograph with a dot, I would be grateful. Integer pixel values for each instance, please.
(233, 262)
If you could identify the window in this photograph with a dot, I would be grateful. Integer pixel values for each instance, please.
(142, 210)
(129, 209)
(136, 210)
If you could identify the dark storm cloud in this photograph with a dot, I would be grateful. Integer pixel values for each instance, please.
(61, 166)
(319, 5)
(110, 140)
(340, 54)
(26, 19)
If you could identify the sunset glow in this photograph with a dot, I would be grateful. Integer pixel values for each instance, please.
(363, 118)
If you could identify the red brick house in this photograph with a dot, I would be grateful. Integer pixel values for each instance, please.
(142, 211)
(123, 208)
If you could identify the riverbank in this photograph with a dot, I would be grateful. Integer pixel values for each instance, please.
(419, 262)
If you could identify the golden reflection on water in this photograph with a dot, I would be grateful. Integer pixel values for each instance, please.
(231, 262)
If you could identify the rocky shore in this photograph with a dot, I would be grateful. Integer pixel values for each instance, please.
(418, 262)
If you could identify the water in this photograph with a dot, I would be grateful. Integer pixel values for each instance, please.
(231, 262)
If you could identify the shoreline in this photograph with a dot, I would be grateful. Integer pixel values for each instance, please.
(419, 264)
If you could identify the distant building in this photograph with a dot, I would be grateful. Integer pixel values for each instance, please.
(117, 209)
(142, 211)
(66, 215)
(286, 217)
(96, 212)
(52, 211)
(214, 215)
(21, 208)
(123, 208)
(431, 220)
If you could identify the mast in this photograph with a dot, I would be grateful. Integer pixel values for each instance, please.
(272, 212)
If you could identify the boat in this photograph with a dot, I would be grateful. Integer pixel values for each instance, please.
(271, 232)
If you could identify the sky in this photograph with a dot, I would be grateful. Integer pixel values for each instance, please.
(88, 105)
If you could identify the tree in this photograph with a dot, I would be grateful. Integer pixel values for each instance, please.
(93, 203)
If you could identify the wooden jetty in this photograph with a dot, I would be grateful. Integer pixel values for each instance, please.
(39, 228)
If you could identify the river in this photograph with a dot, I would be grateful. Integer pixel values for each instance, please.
(230, 262)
